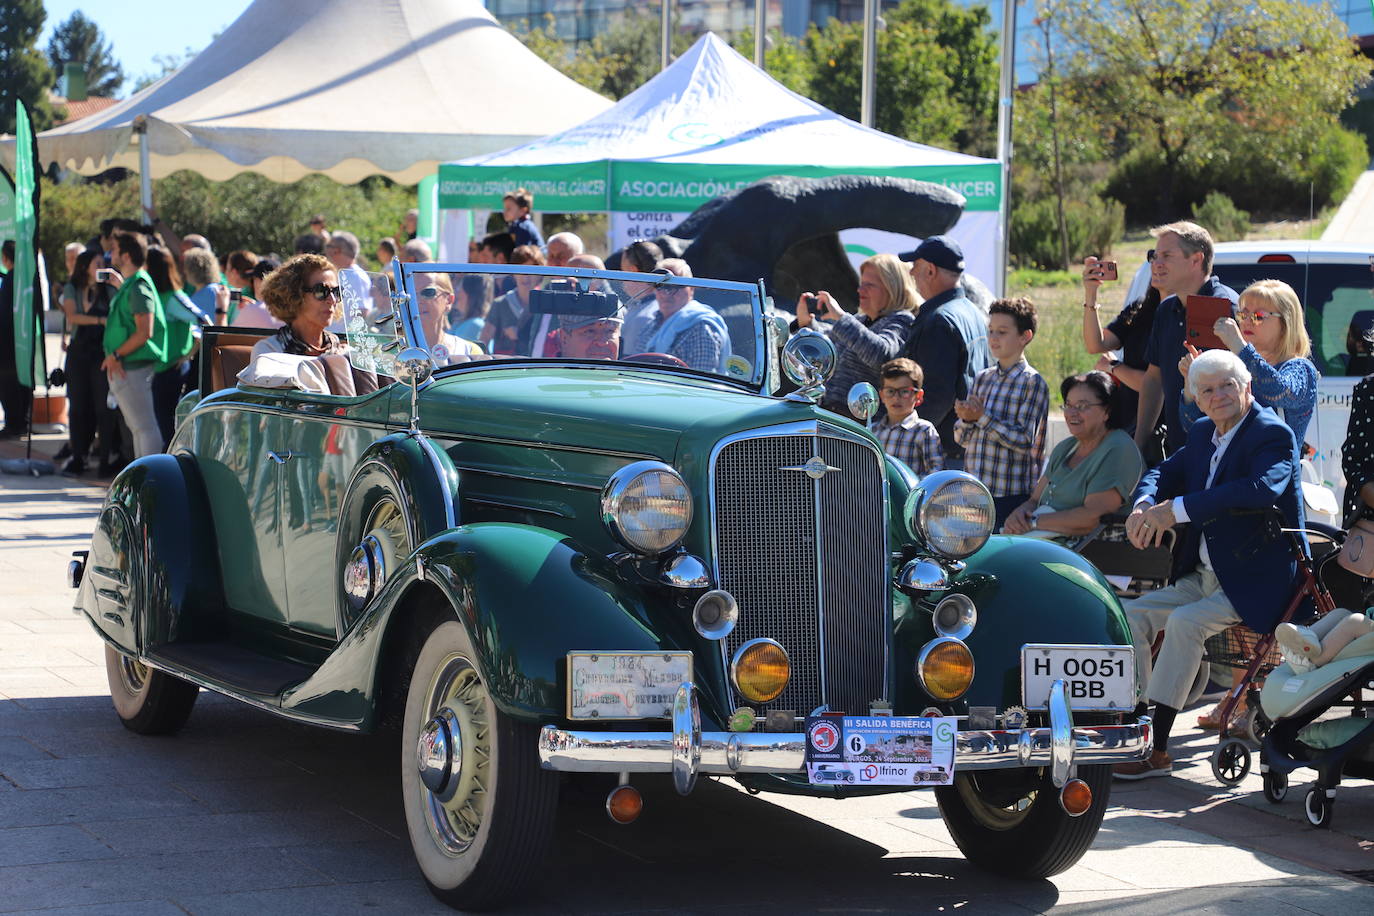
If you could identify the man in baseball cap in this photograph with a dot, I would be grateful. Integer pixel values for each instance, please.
(939, 250)
(591, 336)
(949, 339)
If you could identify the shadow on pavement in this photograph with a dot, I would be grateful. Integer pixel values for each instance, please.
(238, 783)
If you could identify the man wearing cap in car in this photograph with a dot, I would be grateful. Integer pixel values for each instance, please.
(590, 336)
(949, 339)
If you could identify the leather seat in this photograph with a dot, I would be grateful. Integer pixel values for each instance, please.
(227, 363)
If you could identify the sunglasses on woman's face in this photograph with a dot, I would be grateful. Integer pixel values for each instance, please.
(322, 292)
(431, 292)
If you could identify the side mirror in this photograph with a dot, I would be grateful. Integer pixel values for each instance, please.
(863, 401)
(413, 367)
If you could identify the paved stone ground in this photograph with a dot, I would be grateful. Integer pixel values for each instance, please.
(244, 812)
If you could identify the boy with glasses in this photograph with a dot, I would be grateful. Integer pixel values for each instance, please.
(1002, 422)
(903, 434)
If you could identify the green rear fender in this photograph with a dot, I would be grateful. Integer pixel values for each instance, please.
(152, 574)
(1026, 591)
(488, 574)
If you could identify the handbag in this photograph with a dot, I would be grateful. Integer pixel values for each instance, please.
(1357, 553)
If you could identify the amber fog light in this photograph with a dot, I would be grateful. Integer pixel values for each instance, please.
(945, 668)
(1076, 797)
(760, 670)
(624, 804)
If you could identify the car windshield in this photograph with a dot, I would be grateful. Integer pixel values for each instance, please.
(1338, 300)
(464, 314)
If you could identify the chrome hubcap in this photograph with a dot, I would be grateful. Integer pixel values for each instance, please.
(439, 755)
(133, 673)
(453, 755)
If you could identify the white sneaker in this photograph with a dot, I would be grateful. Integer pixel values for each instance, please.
(1300, 646)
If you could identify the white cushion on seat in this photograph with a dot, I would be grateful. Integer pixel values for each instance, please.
(283, 370)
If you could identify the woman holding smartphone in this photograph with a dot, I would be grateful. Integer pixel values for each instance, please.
(1129, 332)
(86, 302)
(135, 341)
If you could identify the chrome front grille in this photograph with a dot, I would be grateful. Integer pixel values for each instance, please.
(807, 560)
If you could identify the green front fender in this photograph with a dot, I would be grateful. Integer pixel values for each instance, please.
(1026, 591)
(489, 574)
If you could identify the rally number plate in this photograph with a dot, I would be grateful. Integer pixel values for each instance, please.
(625, 685)
(1096, 678)
(880, 750)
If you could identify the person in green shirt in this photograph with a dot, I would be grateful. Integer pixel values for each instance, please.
(135, 341)
(1090, 474)
(174, 376)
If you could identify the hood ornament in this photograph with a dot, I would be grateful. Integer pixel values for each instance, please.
(815, 468)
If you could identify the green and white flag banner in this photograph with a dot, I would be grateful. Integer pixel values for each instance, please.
(28, 352)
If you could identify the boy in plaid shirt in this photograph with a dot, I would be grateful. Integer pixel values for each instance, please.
(1002, 423)
(905, 435)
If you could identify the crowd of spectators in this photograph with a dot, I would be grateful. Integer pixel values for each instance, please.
(1163, 432)
(1160, 431)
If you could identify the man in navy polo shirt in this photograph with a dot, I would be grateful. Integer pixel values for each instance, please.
(1182, 267)
(949, 339)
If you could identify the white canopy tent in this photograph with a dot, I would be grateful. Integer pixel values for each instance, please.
(708, 124)
(346, 88)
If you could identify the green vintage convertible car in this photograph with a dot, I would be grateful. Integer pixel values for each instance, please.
(625, 554)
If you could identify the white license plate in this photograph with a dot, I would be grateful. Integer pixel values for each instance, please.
(1095, 677)
(625, 685)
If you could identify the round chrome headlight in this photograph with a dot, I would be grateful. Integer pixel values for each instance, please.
(647, 507)
(809, 358)
(952, 512)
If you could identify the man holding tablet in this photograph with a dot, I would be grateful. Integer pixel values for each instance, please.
(1182, 267)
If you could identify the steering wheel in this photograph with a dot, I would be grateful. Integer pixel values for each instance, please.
(656, 359)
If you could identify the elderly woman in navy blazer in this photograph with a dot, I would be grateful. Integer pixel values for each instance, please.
(1227, 568)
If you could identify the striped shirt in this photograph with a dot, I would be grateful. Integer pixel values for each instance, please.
(911, 440)
(1005, 447)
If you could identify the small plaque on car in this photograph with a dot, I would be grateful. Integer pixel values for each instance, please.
(625, 685)
(1096, 678)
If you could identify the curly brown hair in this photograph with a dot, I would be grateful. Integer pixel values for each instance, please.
(284, 289)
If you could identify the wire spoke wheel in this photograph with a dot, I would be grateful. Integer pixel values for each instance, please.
(479, 809)
(458, 699)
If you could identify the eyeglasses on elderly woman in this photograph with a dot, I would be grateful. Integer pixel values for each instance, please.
(322, 291)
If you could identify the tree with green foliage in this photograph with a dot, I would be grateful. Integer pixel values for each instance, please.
(1210, 86)
(24, 72)
(936, 73)
(615, 62)
(79, 40)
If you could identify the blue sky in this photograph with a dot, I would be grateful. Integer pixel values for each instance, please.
(138, 30)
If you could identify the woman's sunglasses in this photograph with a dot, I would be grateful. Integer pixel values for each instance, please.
(431, 292)
(323, 292)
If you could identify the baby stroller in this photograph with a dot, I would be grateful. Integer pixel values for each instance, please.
(1257, 653)
(1308, 730)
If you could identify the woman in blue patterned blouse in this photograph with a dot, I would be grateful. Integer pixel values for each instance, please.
(1271, 339)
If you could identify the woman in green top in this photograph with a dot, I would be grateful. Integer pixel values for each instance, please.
(1090, 474)
(135, 341)
(175, 375)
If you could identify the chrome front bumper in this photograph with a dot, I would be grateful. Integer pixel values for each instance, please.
(687, 751)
